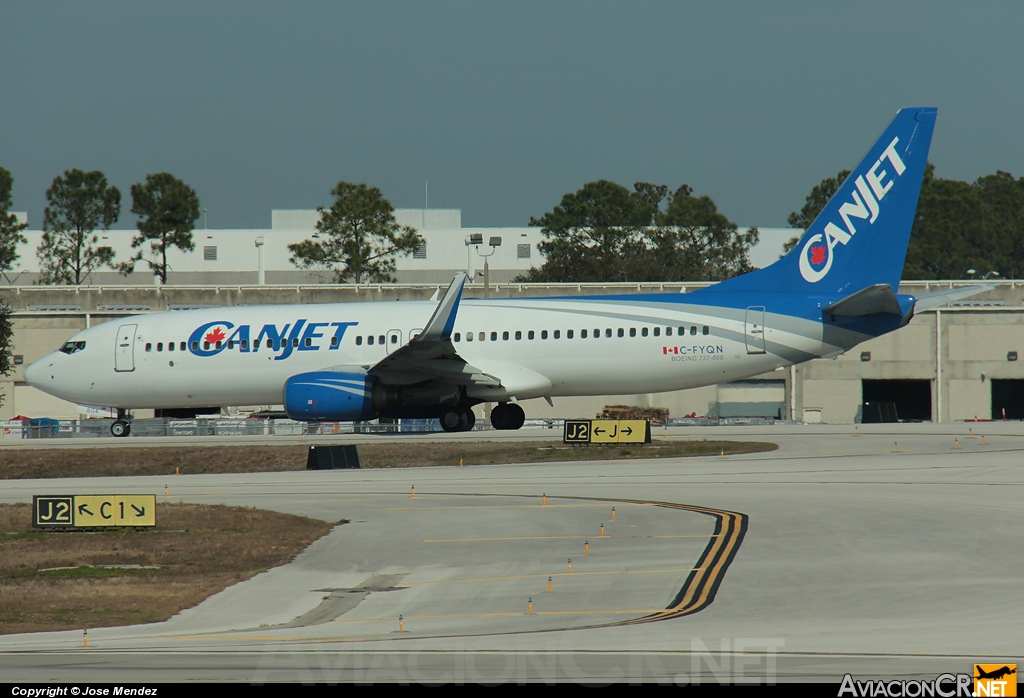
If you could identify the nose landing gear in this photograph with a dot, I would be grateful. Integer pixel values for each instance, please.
(121, 426)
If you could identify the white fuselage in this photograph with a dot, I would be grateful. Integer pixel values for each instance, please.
(544, 347)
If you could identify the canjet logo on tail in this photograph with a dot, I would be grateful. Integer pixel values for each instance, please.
(819, 251)
(212, 338)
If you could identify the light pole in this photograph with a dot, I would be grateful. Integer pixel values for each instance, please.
(990, 274)
(475, 240)
(972, 272)
(204, 219)
(260, 277)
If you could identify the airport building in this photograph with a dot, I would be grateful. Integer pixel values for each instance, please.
(956, 363)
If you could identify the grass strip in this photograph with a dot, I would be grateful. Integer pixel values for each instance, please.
(190, 460)
(197, 550)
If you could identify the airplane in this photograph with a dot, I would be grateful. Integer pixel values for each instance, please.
(437, 359)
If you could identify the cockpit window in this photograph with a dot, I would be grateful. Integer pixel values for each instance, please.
(72, 347)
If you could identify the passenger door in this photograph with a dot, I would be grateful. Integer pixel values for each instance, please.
(755, 330)
(124, 350)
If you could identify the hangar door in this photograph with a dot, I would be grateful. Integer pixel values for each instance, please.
(896, 400)
(124, 350)
(1007, 399)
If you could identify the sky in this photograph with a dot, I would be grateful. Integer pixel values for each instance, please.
(502, 107)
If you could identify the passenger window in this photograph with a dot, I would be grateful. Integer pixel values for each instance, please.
(458, 337)
(295, 341)
(359, 340)
(519, 334)
(682, 331)
(622, 332)
(557, 334)
(159, 346)
(504, 335)
(568, 334)
(369, 339)
(206, 346)
(668, 331)
(608, 332)
(149, 347)
(482, 336)
(597, 333)
(643, 332)
(182, 347)
(543, 334)
(657, 331)
(632, 332)
(706, 329)
(494, 336)
(231, 345)
(245, 344)
(693, 329)
(195, 346)
(219, 344)
(170, 346)
(529, 335)
(583, 334)
(380, 339)
(469, 336)
(309, 342)
(334, 342)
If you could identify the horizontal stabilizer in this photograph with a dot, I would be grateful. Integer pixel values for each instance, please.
(941, 298)
(879, 298)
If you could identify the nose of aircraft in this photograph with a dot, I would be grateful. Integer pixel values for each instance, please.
(34, 373)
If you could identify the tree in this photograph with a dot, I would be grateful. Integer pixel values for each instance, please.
(1003, 197)
(6, 340)
(167, 209)
(697, 243)
(357, 238)
(79, 203)
(816, 200)
(591, 234)
(604, 232)
(10, 228)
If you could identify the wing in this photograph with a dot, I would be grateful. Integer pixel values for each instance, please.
(430, 355)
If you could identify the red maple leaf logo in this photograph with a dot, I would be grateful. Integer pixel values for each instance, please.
(817, 254)
(215, 336)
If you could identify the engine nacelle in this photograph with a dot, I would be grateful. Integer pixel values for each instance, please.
(330, 396)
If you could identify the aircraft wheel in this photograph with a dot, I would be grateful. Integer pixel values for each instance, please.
(120, 428)
(507, 416)
(518, 416)
(453, 419)
(470, 419)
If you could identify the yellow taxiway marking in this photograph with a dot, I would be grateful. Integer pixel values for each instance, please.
(506, 614)
(541, 576)
(586, 537)
(496, 506)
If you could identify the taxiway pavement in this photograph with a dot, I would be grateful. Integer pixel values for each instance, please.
(832, 555)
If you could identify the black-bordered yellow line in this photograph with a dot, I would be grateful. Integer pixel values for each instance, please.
(584, 537)
(698, 592)
(542, 576)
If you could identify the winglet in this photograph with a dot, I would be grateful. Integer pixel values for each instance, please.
(441, 323)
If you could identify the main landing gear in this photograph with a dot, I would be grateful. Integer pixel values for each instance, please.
(121, 426)
(458, 418)
(507, 416)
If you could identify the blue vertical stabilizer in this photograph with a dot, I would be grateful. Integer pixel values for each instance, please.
(860, 238)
